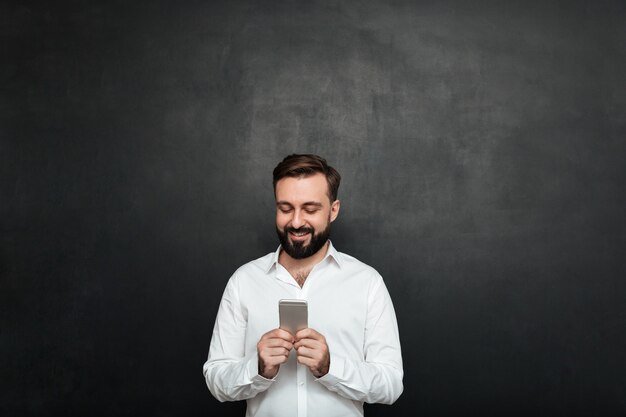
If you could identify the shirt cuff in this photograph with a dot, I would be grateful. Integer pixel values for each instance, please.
(335, 372)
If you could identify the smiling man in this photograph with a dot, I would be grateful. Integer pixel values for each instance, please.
(349, 354)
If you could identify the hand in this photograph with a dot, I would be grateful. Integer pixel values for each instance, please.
(313, 351)
(273, 350)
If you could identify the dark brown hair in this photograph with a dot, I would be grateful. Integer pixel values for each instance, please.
(305, 165)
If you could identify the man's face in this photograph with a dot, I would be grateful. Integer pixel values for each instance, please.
(303, 214)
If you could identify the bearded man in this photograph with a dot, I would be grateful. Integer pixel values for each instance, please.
(350, 352)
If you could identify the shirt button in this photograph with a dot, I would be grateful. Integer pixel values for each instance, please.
(301, 383)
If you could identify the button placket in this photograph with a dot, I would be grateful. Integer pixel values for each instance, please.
(302, 397)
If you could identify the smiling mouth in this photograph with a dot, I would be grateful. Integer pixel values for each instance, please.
(298, 234)
(298, 237)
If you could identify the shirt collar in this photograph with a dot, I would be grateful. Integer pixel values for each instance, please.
(331, 252)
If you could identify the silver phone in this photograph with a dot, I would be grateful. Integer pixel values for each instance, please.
(293, 315)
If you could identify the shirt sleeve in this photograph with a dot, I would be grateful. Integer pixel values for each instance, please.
(377, 378)
(229, 373)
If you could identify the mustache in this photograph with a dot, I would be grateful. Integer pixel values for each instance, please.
(299, 230)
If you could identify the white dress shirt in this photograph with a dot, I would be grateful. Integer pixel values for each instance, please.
(348, 304)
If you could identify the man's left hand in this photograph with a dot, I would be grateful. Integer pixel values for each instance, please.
(312, 351)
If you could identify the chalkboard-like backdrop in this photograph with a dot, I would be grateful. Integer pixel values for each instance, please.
(482, 146)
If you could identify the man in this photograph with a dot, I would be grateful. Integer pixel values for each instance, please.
(350, 353)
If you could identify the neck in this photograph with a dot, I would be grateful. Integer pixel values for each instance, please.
(306, 263)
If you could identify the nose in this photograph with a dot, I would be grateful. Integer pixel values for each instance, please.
(296, 220)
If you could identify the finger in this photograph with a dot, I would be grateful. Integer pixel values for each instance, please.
(276, 342)
(268, 335)
(309, 333)
(276, 351)
(308, 362)
(274, 360)
(310, 343)
(272, 355)
(279, 334)
(306, 333)
(304, 351)
(283, 334)
(310, 353)
(269, 344)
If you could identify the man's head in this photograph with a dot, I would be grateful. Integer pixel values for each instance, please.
(305, 187)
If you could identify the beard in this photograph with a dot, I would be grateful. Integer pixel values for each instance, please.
(298, 250)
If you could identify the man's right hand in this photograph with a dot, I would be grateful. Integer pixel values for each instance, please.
(273, 350)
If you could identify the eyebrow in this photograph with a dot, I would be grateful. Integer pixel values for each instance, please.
(308, 203)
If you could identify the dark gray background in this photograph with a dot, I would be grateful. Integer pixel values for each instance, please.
(482, 150)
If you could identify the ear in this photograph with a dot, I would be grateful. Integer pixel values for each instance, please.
(334, 210)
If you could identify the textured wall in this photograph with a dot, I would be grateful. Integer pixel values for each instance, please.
(482, 147)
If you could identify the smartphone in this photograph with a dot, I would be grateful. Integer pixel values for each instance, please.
(293, 315)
